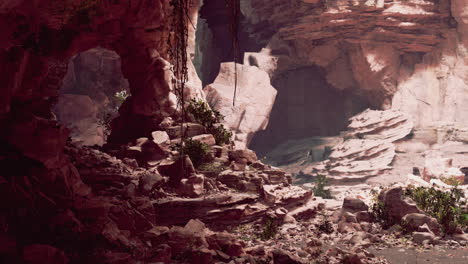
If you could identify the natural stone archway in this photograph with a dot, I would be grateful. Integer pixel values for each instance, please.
(92, 91)
(35, 58)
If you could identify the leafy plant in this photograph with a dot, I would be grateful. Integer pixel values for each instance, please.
(319, 189)
(325, 226)
(270, 229)
(196, 150)
(379, 212)
(451, 181)
(221, 134)
(448, 207)
(121, 96)
(212, 167)
(203, 114)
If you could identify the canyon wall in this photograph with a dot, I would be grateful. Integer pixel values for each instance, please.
(405, 55)
(392, 54)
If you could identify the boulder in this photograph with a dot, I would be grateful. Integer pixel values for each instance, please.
(354, 205)
(146, 151)
(364, 216)
(396, 205)
(162, 253)
(149, 181)
(416, 220)
(193, 186)
(421, 237)
(243, 156)
(220, 208)
(189, 129)
(290, 195)
(176, 170)
(282, 257)
(240, 180)
(254, 100)
(205, 138)
(160, 137)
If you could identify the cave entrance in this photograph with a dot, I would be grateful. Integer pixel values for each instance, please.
(308, 112)
(92, 91)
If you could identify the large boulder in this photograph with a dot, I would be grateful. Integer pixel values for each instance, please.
(396, 205)
(253, 101)
(354, 204)
(415, 220)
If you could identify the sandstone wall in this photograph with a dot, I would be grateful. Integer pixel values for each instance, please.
(405, 55)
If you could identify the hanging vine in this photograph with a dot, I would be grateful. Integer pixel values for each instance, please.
(233, 7)
(178, 42)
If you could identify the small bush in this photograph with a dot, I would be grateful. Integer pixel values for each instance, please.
(451, 181)
(121, 96)
(212, 167)
(325, 226)
(378, 211)
(449, 208)
(196, 150)
(319, 189)
(221, 135)
(269, 230)
(201, 113)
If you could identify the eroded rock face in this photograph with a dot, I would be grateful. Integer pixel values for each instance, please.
(414, 50)
(388, 126)
(369, 149)
(252, 103)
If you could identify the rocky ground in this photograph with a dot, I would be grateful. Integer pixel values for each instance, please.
(140, 204)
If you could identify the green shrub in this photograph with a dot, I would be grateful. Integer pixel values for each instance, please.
(326, 225)
(212, 167)
(201, 113)
(451, 181)
(448, 207)
(319, 189)
(270, 229)
(378, 211)
(221, 135)
(196, 150)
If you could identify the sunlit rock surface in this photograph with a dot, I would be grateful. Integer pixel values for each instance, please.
(369, 151)
(248, 110)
